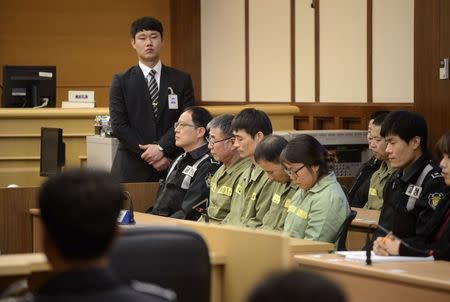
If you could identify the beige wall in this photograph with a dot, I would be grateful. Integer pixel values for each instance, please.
(88, 41)
(343, 50)
(393, 51)
(223, 50)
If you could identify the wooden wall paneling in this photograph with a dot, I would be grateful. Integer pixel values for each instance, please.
(88, 41)
(426, 63)
(340, 116)
(439, 120)
(15, 220)
(186, 40)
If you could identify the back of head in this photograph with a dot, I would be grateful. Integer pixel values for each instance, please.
(374, 114)
(443, 145)
(270, 148)
(223, 122)
(306, 149)
(379, 119)
(297, 286)
(252, 121)
(146, 23)
(406, 125)
(79, 210)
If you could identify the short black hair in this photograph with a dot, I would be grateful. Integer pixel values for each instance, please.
(269, 148)
(306, 149)
(443, 145)
(200, 116)
(406, 125)
(252, 121)
(79, 210)
(223, 122)
(374, 114)
(379, 119)
(146, 23)
(297, 285)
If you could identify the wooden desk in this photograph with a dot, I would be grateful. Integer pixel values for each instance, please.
(36, 269)
(400, 281)
(365, 221)
(248, 255)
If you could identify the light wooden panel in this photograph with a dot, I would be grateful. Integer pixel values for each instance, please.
(223, 50)
(269, 53)
(343, 47)
(88, 41)
(304, 52)
(393, 51)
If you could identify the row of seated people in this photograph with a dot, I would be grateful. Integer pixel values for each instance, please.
(269, 183)
(264, 181)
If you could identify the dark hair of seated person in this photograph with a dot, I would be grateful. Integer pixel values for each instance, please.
(296, 286)
(79, 211)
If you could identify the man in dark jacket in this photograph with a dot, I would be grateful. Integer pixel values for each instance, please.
(187, 182)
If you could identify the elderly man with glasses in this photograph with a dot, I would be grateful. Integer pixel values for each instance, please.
(187, 182)
(224, 181)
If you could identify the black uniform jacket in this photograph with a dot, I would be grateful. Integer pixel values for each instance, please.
(97, 285)
(429, 244)
(394, 215)
(359, 191)
(175, 201)
(133, 121)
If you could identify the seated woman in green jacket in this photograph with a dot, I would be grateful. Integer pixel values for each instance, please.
(320, 207)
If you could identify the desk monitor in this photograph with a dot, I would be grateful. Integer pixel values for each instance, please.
(29, 86)
(53, 151)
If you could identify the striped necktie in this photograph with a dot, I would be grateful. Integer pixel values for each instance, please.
(154, 91)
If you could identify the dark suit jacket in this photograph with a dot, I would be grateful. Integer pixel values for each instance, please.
(133, 122)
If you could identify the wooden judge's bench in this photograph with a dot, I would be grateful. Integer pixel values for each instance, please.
(20, 130)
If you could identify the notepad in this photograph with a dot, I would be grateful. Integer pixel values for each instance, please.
(361, 256)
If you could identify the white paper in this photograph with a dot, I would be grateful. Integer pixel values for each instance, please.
(361, 256)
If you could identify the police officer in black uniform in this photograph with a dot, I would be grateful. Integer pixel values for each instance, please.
(187, 182)
(412, 194)
(79, 210)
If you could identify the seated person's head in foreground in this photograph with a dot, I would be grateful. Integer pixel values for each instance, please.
(190, 130)
(249, 127)
(406, 135)
(306, 160)
(267, 155)
(79, 211)
(298, 286)
(221, 139)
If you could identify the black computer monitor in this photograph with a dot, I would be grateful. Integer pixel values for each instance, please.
(53, 151)
(29, 86)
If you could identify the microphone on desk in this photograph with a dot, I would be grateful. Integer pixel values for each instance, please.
(368, 250)
(127, 216)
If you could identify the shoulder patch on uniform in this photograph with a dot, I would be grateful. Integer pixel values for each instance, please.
(153, 289)
(436, 174)
(434, 199)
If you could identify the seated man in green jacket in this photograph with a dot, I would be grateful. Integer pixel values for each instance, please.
(379, 177)
(267, 155)
(224, 181)
(252, 196)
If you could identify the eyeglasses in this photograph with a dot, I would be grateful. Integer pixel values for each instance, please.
(182, 125)
(212, 142)
(293, 173)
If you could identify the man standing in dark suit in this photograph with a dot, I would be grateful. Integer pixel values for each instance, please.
(145, 102)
